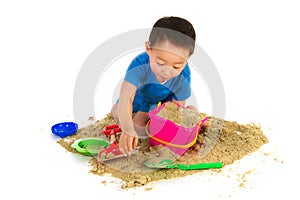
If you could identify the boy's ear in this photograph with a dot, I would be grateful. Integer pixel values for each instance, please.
(148, 48)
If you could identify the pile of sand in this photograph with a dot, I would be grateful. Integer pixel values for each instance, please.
(223, 141)
(180, 116)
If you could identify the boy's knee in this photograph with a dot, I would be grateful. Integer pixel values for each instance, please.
(140, 119)
(114, 111)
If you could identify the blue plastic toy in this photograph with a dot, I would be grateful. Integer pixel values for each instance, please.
(64, 129)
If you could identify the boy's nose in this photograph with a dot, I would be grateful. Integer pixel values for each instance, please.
(167, 71)
(165, 75)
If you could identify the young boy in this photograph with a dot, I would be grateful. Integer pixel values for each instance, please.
(158, 75)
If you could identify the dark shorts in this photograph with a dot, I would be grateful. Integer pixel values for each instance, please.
(141, 105)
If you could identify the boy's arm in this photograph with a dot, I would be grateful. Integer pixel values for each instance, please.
(128, 139)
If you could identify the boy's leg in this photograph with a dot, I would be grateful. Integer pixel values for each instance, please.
(114, 111)
(140, 120)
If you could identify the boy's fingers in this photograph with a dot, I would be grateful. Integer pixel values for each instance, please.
(129, 144)
(135, 142)
(191, 107)
(123, 144)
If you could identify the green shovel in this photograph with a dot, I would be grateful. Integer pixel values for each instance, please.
(167, 164)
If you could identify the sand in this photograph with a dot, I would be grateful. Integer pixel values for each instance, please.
(222, 141)
(180, 116)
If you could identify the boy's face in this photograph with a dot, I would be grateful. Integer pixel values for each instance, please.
(166, 60)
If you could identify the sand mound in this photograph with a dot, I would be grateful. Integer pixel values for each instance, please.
(223, 141)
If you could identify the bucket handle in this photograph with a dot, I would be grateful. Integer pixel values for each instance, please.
(177, 145)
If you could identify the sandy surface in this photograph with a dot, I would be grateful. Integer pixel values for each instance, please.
(223, 141)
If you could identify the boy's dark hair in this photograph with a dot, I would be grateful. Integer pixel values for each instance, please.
(176, 30)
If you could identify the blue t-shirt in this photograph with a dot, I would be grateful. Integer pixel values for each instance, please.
(149, 91)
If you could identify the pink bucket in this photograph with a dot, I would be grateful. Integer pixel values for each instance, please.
(165, 132)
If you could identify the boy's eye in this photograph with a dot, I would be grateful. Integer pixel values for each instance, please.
(177, 67)
(160, 64)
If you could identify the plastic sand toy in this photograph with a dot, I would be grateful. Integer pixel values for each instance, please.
(113, 151)
(64, 129)
(167, 164)
(174, 136)
(90, 146)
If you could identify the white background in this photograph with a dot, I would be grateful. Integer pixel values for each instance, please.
(255, 46)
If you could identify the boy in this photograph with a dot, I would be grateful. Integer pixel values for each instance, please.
(158, 75)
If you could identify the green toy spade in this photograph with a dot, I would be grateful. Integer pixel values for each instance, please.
(167, 164)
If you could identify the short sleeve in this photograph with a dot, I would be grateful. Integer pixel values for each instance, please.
(137, 69)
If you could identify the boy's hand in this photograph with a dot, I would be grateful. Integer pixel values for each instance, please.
(127, 143)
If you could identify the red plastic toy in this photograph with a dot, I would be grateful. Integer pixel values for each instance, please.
(113, 148)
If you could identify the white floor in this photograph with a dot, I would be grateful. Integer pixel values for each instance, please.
(254, 45)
